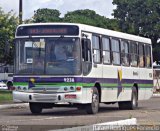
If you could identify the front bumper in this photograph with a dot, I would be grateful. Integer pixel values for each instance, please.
(19, 96)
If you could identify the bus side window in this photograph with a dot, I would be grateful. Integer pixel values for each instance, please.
(86, 56)
(96, 49)
(133, 54)
(141, 55)
(115, 51)
(148, 56)
(106, 50)
(124, 53)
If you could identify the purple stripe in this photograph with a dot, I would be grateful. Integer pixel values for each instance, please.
(80, 79)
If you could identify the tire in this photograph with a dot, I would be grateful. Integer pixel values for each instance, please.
(35, 108)
(130, 105)
(9, 85)
(93, 107)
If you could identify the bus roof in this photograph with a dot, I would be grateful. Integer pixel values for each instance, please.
(98, 30)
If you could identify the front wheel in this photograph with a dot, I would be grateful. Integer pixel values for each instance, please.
(93, 107)
(35, 108)
(9, 85)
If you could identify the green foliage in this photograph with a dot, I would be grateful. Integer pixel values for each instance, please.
(8, 24)
(46, 15)
(90, 17)
(140, 17)
(5, 96)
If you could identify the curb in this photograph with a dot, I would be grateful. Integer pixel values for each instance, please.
(21, 105)
(103, 126)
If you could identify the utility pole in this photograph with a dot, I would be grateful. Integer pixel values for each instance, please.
(20, 11)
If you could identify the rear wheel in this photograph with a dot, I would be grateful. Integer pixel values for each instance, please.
(131, 105)
(93, 107)
(35, 108)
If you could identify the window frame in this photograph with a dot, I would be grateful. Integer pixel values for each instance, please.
(133, 53)
(141, 55)
(112, 52)
(128, 53)
(150, 55)
(97, 49)
(109, 51)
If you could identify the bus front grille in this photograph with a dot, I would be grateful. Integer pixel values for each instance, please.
(44, 97)
(45, 89)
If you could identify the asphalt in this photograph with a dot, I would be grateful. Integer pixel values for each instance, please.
(132, 121)
(19, 105)
(107, 125)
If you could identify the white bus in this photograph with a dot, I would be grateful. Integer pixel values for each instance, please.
(6, 75)
(156, 78)
(80, 65)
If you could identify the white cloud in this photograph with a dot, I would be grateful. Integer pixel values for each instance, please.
(8, 5)
(102, 7)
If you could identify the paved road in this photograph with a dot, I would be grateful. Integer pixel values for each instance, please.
(148, 113)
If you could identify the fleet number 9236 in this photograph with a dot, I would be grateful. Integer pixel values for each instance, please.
(69, 80)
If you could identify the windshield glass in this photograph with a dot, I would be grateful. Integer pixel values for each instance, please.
(52, 56)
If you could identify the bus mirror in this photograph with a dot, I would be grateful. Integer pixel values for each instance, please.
(84, 35)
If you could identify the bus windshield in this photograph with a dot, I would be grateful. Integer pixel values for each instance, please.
(50, 56)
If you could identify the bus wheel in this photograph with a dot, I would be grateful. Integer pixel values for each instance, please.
(9, 85)
(35, 108)
(93, 107)
(130, 105)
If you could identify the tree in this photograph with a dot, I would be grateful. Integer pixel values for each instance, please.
(90, 17)
(46, 15)
(140, 17)
(87, 16)
(8, 24)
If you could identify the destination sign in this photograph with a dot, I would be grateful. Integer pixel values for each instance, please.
(40, 30)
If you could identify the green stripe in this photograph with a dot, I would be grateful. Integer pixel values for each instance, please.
(126, 88)
(20, 83)
(145, 85)
(110, 85)
(55, 84)
(104, 85)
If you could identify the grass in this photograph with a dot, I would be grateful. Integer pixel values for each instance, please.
(5, 96)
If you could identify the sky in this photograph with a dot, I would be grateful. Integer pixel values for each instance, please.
(102, 7)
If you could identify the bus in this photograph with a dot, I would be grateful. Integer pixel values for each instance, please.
(77, 65)
(6, 75)
(156, 78)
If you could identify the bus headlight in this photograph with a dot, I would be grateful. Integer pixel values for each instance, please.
(65, 88)
(24, 88)
(71, 88)
(18, 88)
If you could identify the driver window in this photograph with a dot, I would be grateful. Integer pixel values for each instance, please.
(60, 52)
(86, 55)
